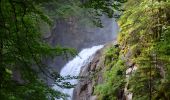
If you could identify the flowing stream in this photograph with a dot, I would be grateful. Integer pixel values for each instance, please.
(74, 66)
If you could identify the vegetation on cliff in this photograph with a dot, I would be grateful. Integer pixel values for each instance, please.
(144, 43)
(114, 77)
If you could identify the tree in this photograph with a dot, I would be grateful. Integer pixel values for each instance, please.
(143, 28)
(22, 51)
(111, 8)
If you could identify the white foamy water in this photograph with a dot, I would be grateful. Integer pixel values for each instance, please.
(73, 67)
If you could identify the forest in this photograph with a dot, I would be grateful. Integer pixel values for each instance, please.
(136, 67)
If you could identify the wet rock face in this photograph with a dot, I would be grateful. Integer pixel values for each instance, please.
(93, 75)
(70, 33)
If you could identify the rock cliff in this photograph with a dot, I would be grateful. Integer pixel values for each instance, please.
(71, 33)
(93, 75)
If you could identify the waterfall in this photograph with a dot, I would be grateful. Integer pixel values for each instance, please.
(74, 66)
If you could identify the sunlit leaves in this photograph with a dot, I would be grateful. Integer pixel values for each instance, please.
(145, 24)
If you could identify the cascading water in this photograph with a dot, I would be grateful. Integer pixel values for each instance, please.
(74, 66)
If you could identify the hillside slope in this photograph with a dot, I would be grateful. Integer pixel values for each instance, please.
(138, 67)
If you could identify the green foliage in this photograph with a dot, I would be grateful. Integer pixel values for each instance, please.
(145, 32)
(22, 50)
(63, 9)
(99, 7)
(109, 7)
(114, 76)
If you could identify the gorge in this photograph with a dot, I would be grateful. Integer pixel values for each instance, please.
(81, 40)
(84, 49)
(76, 35)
